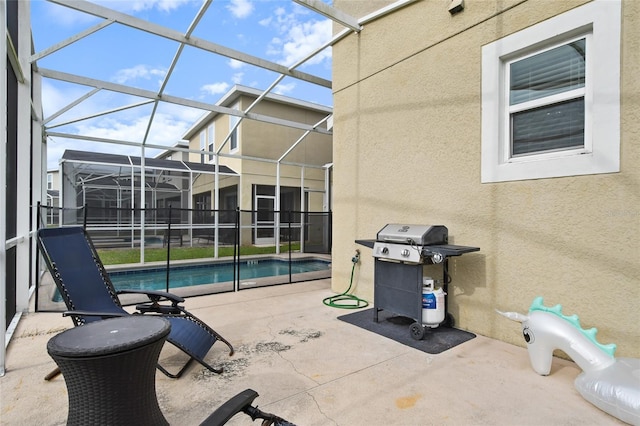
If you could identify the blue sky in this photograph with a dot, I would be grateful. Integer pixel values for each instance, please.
(276, 30)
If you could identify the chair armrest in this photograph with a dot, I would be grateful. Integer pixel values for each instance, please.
(153, 307)
(230, 408)
(155, 296)
(103, 315)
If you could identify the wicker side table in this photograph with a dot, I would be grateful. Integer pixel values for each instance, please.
(109, 369)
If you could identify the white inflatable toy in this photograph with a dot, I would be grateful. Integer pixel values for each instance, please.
(611, 384)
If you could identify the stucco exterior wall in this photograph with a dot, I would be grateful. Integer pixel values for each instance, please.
(315, 148)
(407, 149)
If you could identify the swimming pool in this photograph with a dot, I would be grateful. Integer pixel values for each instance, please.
(212, 273)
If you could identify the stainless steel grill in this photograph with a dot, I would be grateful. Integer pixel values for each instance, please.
(400, 252)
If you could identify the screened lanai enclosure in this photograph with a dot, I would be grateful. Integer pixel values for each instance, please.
(139, 201)
(133, 194)
(110, 184)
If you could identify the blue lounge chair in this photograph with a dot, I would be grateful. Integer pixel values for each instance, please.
(89, 295)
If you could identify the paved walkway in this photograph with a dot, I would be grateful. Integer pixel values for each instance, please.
(313, 369)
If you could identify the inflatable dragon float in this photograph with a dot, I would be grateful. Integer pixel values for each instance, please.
(611, 384)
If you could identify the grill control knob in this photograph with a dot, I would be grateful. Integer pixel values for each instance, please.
(405, 252)
(385, 250)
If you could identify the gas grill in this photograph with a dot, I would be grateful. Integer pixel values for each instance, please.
(400, 252)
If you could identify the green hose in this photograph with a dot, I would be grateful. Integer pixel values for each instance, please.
(345, 300)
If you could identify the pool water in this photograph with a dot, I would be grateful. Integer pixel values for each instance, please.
(186, 276)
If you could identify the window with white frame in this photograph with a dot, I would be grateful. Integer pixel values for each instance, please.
(203, 146)
(233, 140)
(547, 109)
(49, 180)
(211, 140)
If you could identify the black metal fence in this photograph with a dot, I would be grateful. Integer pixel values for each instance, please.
(192, 252)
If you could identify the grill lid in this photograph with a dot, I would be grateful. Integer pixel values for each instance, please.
(414, 234)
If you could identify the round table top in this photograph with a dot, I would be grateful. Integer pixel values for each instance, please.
(110, 336)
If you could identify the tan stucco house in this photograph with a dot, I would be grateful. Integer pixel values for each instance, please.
(513, 123)
(280, 166)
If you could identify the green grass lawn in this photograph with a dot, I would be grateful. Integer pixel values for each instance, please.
(132, 255)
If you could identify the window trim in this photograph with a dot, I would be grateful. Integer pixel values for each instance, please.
(211, 140)
(203, 146)
(600, 21)
(234, 134)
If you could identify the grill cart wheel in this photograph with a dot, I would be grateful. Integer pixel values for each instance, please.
(417, 331)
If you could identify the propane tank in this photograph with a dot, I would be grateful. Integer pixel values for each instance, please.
(432, 303)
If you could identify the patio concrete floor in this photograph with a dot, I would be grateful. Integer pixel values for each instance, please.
(313, 369)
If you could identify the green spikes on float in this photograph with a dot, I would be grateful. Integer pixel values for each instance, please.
(591, 332)
(537, 305)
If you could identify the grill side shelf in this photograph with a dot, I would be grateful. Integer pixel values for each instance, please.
(444, 249)
(449, 249)
(366, 243)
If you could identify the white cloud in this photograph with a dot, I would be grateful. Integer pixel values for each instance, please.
(215, 88)
(283, 89)
(235, 64)
(240, 8)
(111, 128)
(54, 99)
(66, 17)
(304, 39)
(265, 22)
(237, 77)
(140, 5)
(280, 12)
(139, 72)
(297, 37)
(169, 124)
(167, 128)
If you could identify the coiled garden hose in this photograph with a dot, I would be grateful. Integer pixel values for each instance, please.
(346, 300)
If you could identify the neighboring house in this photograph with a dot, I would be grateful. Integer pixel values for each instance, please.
(53, 197)
(53, 188)
(280, 168)
(513, 123)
